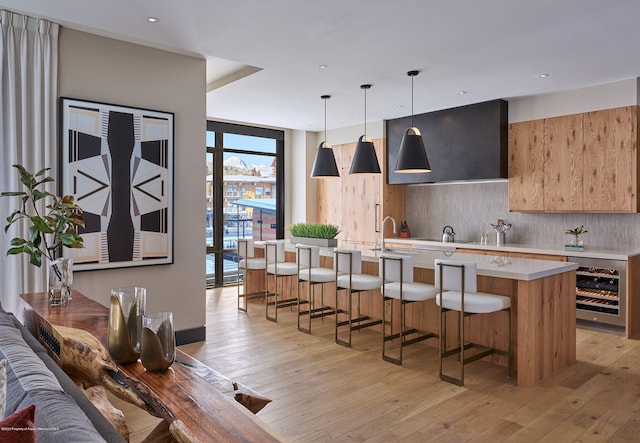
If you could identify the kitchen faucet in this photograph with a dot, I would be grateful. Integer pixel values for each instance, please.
(388, 217)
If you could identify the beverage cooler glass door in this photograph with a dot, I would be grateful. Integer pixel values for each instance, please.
(601, 290)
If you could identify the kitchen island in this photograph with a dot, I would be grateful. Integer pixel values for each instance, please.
(627, 313)
(543, 301)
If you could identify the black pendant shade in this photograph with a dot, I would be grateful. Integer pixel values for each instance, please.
(412, 156)
(365, 160)
(325, 163)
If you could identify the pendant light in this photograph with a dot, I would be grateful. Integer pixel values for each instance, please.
(412, 156)
(324, 164)
(365, 160)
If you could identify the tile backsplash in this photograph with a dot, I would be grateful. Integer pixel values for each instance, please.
(471, 207)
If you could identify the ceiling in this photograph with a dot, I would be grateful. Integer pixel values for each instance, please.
(264, 57)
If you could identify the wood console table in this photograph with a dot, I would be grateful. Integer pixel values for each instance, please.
(185, 395)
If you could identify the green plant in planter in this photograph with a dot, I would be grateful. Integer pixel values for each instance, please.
(314, 230)
(49, 231)
(576, 232)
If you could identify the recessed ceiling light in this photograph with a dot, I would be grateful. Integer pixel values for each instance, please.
(462, 92)
(153, 19)
(544, 75)
(323, 66)
(400, 106)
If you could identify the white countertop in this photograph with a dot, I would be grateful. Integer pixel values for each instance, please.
(496, 266)
(488, 265)
(609, 254)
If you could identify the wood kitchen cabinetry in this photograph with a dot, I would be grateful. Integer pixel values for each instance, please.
(575, 163)
(611, 160)
(358, 202)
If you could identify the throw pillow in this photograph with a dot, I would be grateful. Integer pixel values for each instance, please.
(3, 386)
(19, 427)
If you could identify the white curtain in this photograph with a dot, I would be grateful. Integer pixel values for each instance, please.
(28, 79)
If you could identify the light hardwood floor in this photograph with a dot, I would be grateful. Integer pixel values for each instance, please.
(324, 392)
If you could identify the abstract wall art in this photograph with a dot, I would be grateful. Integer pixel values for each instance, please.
(117, 162)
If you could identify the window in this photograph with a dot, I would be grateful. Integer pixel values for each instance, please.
(245, 189)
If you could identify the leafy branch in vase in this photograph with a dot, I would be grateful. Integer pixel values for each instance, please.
(576, 232)
(55, 228)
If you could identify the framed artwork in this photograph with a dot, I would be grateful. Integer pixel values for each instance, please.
(117, 162)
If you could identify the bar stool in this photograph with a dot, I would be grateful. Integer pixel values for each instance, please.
(276, 266)
(355, 282)
(309, 270)
(459, 279)
(248, 263)
(397, 275)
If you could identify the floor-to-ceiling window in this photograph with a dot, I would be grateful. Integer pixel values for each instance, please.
(244, 193)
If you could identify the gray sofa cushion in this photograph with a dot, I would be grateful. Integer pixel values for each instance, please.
(31, 371)
(59, 419)
(3, 386)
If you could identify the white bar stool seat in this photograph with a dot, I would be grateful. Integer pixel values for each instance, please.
(397, 274)
(310, 271)
(349, 276)
(280, 269)
(248, 263)
(474, 302)
(459, 280)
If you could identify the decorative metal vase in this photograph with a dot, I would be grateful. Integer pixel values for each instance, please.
(158, 341)
(60, 279)
(126, 309)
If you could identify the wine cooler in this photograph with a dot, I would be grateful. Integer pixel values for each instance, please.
(601, 290)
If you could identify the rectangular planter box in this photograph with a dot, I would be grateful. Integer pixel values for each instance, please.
(323, 242)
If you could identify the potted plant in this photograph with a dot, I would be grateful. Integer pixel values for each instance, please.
(317, 234)
(48, 230)
(575, 243)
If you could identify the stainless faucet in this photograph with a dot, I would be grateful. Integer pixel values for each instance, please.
(388, 217)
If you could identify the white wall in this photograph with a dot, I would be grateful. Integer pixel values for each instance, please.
(111, 71)
(607, 96)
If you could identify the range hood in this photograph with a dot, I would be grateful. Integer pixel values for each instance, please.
(464, 143)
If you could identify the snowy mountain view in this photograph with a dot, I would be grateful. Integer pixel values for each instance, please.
(236, 162)
(237, 166)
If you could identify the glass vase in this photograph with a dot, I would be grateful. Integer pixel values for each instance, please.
(60, 278)
(126, 310)
(158, 341)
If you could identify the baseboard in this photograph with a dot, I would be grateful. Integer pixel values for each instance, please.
(186, 336)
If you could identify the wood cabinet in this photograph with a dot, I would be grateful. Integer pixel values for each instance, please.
(359, 202)
(563, 163)
(611, 160)
(575, 163)
(526, 166)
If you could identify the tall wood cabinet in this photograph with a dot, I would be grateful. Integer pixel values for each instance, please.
(575, 163)
(359, 202)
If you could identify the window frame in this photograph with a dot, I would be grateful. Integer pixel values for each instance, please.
(219, 190)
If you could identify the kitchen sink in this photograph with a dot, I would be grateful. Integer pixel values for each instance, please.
(439, 240)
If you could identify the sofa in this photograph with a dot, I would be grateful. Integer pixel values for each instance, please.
(62, 412)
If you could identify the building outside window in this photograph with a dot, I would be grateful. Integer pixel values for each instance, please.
(243, 172)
